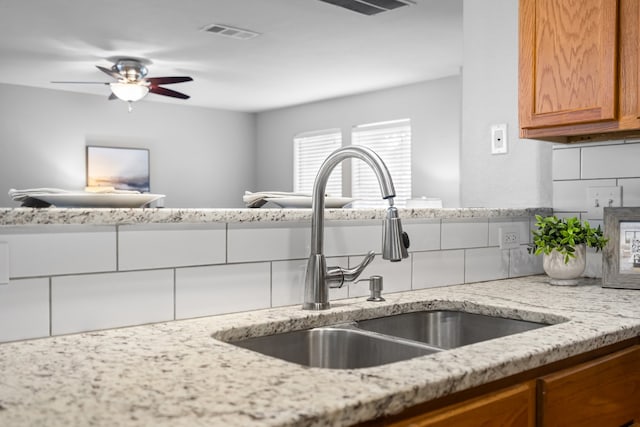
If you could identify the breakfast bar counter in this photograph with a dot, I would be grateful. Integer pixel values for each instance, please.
(183, 373)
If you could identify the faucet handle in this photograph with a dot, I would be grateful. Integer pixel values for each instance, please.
(375, 286)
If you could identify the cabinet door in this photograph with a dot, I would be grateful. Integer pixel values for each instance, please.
(568, 62)
(514, 406)
(601, 393)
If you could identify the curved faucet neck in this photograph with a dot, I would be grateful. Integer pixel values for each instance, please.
(319, 187)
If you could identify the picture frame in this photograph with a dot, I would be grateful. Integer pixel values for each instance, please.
(621, 255)
(122, 168)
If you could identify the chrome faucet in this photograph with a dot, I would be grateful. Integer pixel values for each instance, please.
(319, 278)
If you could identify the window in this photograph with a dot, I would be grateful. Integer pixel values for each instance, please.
(392, 142)
(310, 149)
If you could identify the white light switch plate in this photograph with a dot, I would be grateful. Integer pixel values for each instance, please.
(4, 263)
(602, 197)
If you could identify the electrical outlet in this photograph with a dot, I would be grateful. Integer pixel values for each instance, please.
(509, 237)
(602, 197)
(499, 139)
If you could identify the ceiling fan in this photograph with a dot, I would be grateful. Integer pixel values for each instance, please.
(132, 84)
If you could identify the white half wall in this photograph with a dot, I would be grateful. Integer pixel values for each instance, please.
(200, 158)
(522, 177)
(434, 109)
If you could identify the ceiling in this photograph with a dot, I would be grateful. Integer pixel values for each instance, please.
(307, 50)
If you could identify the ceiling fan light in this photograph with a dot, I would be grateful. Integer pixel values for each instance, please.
(129, 91)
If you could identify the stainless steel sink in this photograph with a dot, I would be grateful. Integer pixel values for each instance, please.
(447, 329)
(384, 340)
(335, 348)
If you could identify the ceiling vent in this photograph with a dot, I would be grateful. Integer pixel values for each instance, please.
(370, 7)
(232, 32)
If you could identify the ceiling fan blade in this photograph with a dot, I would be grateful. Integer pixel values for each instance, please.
(168, 80)
(112, 73)
(167, 92)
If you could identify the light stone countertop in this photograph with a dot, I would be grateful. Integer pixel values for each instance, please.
(176, 374)
(52, 216)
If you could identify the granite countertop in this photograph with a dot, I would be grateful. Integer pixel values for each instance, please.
(96, 216)
(176, 374)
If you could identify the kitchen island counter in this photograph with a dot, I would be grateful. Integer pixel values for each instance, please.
(177, 374)
(105, 216)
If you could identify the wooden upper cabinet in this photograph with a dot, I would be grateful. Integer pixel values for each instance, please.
(568, 62)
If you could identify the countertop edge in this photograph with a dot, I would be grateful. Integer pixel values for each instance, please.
(104, 216)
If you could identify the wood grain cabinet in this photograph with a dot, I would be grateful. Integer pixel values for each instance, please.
(599, 390)
(511, 407)
(578, 69)
(601, 393)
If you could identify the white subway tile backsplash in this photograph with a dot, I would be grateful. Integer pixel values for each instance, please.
(100, 301)
(203, 291)
(287, 281)
(24, 309)
(484, 264)
(396, 275)
(66, 249)
(437, 268)
(594, 264)
(612, 161)
(275, 241)
(97, 277)
(423, 235)
(566, 164)
(457, 234)
(572, 195)
(630, 191)
(522, 263)
(4, 263)
(521, 225)
(170, 245)
(352, 237)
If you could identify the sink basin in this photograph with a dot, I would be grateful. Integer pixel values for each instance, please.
(384, 340)
(447, 329)
(335, 348)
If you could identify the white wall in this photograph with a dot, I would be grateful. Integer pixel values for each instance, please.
(521, 178)
(433, 107)
(199, 157)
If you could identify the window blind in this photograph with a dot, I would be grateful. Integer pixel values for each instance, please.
(392, 142)
(310, 150)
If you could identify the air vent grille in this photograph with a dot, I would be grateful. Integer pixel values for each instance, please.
(231, 32)
(370, 7)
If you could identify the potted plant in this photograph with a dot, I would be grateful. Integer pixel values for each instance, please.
(563, 244)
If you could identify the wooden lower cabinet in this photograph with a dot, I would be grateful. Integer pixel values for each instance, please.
(599, 390)
(601, 393)
(511, 407)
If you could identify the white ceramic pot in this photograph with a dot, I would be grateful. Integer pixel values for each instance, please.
(565, 274)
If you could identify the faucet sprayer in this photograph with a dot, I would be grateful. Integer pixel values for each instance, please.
(319, 278)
